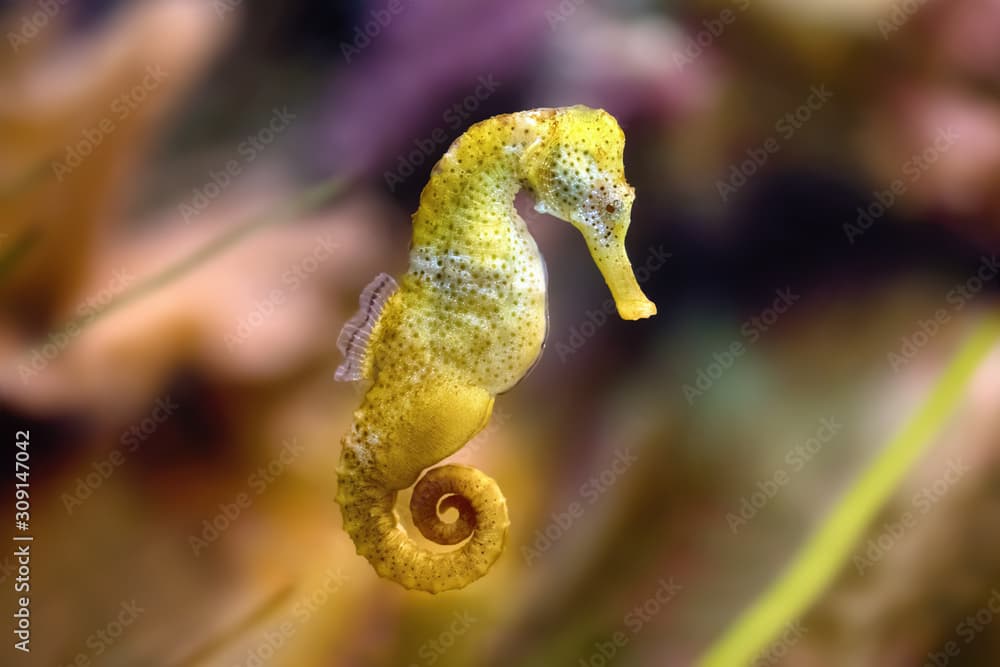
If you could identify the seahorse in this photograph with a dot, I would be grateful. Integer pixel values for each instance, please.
(465, 323)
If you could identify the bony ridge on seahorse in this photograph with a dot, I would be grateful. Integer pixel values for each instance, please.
(465, 323)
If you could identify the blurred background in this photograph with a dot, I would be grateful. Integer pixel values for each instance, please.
(817, 218)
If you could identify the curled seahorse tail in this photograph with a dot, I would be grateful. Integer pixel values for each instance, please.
(371, 521)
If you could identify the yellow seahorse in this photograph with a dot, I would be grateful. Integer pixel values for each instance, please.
(466, 322)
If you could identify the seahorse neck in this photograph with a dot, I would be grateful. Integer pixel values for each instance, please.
(469, 200)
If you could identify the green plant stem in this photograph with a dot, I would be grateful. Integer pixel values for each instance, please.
(823, 556)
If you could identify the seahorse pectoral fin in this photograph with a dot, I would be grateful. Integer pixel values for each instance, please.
(613, 263)
(356, 334)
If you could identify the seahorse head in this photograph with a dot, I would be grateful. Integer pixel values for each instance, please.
(576, 173)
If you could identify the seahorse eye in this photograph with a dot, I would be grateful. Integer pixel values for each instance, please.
(610, 208)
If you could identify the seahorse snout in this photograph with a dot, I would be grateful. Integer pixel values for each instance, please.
(613, 263)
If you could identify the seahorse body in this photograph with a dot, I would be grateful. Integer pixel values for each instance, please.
(466, 322)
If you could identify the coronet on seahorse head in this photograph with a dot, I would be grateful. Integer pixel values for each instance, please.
(575, 172)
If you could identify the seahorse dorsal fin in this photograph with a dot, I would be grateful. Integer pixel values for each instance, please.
(354, 337)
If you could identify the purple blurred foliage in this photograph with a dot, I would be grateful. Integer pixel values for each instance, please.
(394, 87)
